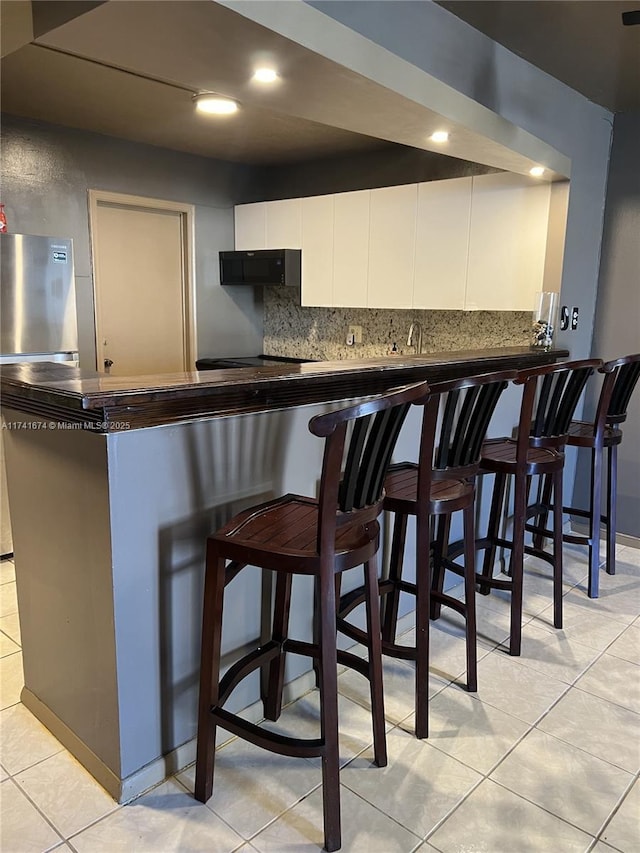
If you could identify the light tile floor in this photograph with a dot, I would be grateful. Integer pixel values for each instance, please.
(544, 758)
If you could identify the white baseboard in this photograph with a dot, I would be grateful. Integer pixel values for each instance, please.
(124, 790)
(582, 528)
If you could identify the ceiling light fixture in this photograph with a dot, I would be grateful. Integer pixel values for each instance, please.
(207, 102)
(265, 75)
(440, 136)
(537, 171)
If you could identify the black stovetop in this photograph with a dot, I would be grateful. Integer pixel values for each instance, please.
(225, 363)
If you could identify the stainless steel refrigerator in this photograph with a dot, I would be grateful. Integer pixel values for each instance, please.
(37, 316)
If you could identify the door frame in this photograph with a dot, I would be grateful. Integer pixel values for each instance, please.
(187, 218)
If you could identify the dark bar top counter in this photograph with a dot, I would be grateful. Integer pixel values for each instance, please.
(104, 403)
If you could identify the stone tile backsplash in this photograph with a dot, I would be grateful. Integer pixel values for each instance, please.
(321, 333)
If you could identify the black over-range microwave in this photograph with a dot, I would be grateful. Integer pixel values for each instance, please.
(261, 267)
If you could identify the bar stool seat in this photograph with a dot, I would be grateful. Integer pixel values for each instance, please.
(501, 454)
(286, 530)
(300, 535)
(581, 434)
(401, 487)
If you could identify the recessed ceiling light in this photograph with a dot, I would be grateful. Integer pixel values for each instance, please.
(537, 171)
(440, 136)
(265, 75)
(214, 104)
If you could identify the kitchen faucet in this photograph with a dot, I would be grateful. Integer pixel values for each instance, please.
(413, 328)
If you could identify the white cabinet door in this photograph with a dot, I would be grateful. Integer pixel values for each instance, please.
(351, 249)
(284, 224)
(392, 237)
(317, 250)
(442, 244)
(507, 242)
(250, 226)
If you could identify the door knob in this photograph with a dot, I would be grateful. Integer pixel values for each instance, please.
(107, 364)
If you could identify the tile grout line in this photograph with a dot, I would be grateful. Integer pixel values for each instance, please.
(534, 726)
(591, 835)
(418, 838)
(39, 761)
(615, 810)
(39, 810)
(485, 776)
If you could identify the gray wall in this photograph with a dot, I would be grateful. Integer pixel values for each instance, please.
(46, 173)
(390, 166)
(617, 321)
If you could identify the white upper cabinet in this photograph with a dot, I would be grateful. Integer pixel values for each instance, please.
(507, 242)
(250, 225)
(317, 250)
(392, 241)
(482, 243)
(284, 224)
(442, 244)
(351, 249)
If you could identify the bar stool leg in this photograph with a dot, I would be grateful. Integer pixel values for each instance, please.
(495, 515)
(392, 598)
(595, 511)
(517, 563)
(282, 605)
(423, 597)
(470, 598)
(329, 711)
(374, 650)
(441, 542)
(209, 673)
(612, 488)
(557, 548)
(544, 499)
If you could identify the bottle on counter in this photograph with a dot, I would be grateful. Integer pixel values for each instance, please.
(394, 349)
(3, 220)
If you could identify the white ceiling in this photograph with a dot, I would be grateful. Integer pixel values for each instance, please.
(130, 69)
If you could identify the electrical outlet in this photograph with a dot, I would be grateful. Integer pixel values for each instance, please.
(354, 334)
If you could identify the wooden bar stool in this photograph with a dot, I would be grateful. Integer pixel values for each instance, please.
(620, 378)
(439, 484)
(297, 535)
(549, 399)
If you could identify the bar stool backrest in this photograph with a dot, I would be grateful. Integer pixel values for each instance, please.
(551, 394)
(358, 449)
(621, 378)
(467, 406)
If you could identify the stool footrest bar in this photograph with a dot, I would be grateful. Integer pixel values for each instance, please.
(274, 742)
(245, 666)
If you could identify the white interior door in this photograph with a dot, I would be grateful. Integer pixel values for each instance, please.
(141, 288)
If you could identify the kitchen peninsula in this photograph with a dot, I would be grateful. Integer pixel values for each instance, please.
(114, 484)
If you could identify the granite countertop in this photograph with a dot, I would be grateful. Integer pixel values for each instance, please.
(105, 403)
